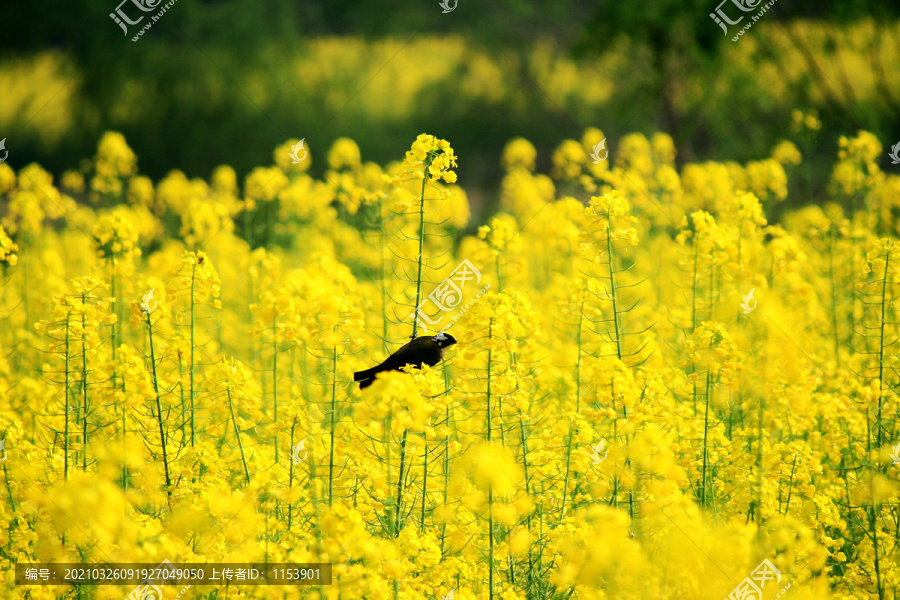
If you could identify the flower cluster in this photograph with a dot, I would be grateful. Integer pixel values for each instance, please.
(653, 370)
(611, 222)
(8, 256)
(429, 158)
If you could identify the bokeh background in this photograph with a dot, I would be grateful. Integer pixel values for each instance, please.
(226, 81)
(687, 361)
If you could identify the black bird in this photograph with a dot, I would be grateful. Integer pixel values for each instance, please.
(428, 350)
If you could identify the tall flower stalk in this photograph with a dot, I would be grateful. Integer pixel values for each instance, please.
(431, 160)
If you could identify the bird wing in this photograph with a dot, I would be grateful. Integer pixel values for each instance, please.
(386, 365)
(414, 352)
(422, 350)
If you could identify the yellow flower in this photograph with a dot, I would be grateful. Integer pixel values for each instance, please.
(500, 233)
(343, 154)
(809, 120)
(8, 256)
(264, 184)
(767, 179)
(116, 237)
(114, 163)
(710, 348)
(174, 192)
(491, 466)
(7, 178)
(73, 181)
(285, 154)
(140, 191)
(429, 155)
(786, 153)
(858, 167)
(203, 220)
(568, 160)
(519, 152)
(663, 148)
(610, 221)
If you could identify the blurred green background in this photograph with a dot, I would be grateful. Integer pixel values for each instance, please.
(226, 81)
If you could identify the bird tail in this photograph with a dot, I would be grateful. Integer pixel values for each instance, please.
(366, 378)
(363, 375)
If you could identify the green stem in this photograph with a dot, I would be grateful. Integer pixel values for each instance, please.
(237, 434)
(880, 427)
(446, 465)
(291, 475)
(528, 492)
(114, 326)
(578, 355)
(489, 366)
(490, 488)
(873, 521)
(193, 276)
(421, 248)
(694, 288)
(84, 391)
(162, 433)
(400, 485)
(565, 488)
(834, 317)
(384, 321)
(424, 483)
(333, 409)
(759, 465)
(787, 504)
(66, 438)
(491, 542)
(275, 382)
(124, 429)
(612, 285)
(705, 442)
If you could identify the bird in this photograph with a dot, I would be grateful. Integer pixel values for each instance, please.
(428, 350)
